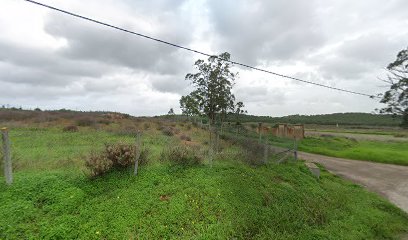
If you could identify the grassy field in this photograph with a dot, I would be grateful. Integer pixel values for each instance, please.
(376, 151)
(53, 198)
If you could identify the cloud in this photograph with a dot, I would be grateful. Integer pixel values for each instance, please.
(51, 60)
(266, 30)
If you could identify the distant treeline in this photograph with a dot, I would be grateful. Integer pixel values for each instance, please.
(326, 119)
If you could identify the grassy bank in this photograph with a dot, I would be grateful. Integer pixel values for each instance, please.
(52, 198)
(226, 201)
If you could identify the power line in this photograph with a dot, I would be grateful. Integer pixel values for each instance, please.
(196, 51)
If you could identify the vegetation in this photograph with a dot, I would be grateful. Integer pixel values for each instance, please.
(396, 97)
(226, 201)
(176, 193)
(384, 152)
(344, 147)
(213, 84)
(362, 119)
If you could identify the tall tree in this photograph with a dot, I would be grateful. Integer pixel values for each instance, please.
(189, 105)
(213, 84)
(396, 97)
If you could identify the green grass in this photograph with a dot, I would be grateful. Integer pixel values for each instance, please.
(384, 152)
(229, 200)
(37, 149)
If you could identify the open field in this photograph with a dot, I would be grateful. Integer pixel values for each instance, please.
(52, 197)
(377, 151)
(384, 145)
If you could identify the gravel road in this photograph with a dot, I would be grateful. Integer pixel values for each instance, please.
(390, 181)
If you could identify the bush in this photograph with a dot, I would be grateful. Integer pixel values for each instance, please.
(98, 164)
(253, 152)
(185, 138)
(118, 155)
(85, 122)
(121, 155)
(104, 121)
(146, 126)
(167, 131)
(181, 155)
(71, 128)
(176, 130)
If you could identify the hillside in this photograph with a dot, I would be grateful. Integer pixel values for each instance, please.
(367, 119)
(179, 193)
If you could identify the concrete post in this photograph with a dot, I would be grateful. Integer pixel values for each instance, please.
(8, 169)
(138, 151)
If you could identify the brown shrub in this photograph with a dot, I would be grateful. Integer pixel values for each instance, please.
(118, 155)
(185, 138)
(121, 155)
(98, 164)
(70, 128)
(104, 121)
(146, 126)
(167, 131)
(85, 122)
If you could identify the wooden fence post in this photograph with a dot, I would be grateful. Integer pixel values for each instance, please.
(295, 146)
(266, 150)
(260, 131)
(8, 169)
(138, 151)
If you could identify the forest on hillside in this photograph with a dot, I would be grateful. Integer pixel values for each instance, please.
(368, 119)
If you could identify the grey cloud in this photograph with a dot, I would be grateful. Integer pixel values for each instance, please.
(87, 41)
(266, 30)
(358, 57)
(43, 66)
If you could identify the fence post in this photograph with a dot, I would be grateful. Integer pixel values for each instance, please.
(295, 145)
(8, 169)
(260, 131)
(266, 150)
(138, 150)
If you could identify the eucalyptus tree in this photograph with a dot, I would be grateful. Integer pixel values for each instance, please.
(212, 95)
(396, 97)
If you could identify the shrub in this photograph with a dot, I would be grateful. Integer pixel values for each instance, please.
(146, 126)
(188, 127)
(181, 155)
(185, 138)
(118, 155)
(70, 128)
(104, 121)
(253, 151)
(167, 131)
(176, 130)
(98, 164)
(121, 155)
(85, 122)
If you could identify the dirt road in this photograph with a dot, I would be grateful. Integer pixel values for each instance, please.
(390, 181)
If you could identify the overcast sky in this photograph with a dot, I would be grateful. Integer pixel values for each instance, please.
(53, 61)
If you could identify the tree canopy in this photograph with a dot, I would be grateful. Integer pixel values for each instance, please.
(212, 95)
(396, 97)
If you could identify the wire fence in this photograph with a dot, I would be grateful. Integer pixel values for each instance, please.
(260, 147)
